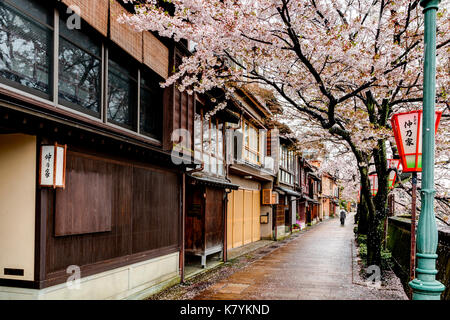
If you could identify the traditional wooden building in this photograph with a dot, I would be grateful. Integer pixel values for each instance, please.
(208, 186)
(308, 204)
(251, 165)
(285, 212)
(328, 186)
(116, 223)
(327, 196)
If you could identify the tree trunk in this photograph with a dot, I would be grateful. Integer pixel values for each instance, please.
(363, 223)
(374, 239)
(379, 203)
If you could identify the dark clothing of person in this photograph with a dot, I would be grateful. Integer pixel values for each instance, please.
(343, 215)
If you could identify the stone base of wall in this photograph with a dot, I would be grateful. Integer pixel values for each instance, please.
(281, 232)
(399, 242)
(136, 281)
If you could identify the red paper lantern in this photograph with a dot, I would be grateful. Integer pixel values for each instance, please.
(373, 179)
(407, 128)
(393, 164)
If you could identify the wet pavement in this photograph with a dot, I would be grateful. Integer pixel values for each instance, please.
(316, 264)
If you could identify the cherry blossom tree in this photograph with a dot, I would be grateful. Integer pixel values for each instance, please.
(346, 65)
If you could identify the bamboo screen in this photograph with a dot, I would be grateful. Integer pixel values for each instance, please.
(156, 55)
(124, 35)
(94, 12)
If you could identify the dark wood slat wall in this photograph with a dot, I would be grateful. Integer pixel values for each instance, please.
(179, 110)
(195, 215)
(214, 223)
(204, 218)
(155, 209)
(302, 211)
(79, 210)
(280, 211)
(269, 143)
(144, 217)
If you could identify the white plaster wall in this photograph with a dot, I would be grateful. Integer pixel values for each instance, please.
(17, 204)
(266, 229)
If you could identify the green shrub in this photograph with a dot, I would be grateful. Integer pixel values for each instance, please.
(362, 239)
(386, 259)
(363, 252)
(386, 255)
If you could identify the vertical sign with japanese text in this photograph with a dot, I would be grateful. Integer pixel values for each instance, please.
(47, 165)
(52, 166)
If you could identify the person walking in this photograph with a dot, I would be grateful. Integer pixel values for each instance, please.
(343, 215)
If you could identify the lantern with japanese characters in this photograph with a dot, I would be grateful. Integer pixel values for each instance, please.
(52, 169)
(407, 128)
(393, 164)
(373, 179)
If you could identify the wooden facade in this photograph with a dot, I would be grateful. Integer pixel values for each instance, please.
(131, 220)
(309, 184)
(286, 186)
(205, 221)
(122, 202)
(251, 149)
(243, 221)
(180, 110)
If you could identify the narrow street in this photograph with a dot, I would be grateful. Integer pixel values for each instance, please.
(315, 265)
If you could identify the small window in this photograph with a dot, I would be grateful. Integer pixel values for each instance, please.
(79, 69)
(122, 91)
(251, 141)
(151, 116)
(26, 45)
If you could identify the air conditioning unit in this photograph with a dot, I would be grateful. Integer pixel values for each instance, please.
(266, 196)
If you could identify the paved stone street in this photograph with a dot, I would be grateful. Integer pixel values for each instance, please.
(317, 264)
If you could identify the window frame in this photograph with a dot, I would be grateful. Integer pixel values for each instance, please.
(246, 146)
(51, 54)
(143, 72)
(219, 155)
(102, 59)
(51, 26)
(286, 173)
(117, 54)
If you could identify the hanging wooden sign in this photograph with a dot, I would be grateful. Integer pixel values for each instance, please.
(264, 218)
(52, 167)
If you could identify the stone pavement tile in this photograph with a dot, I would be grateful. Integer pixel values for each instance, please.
(219, 296)
(280, 295)
(234, 288)
(217, 286)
